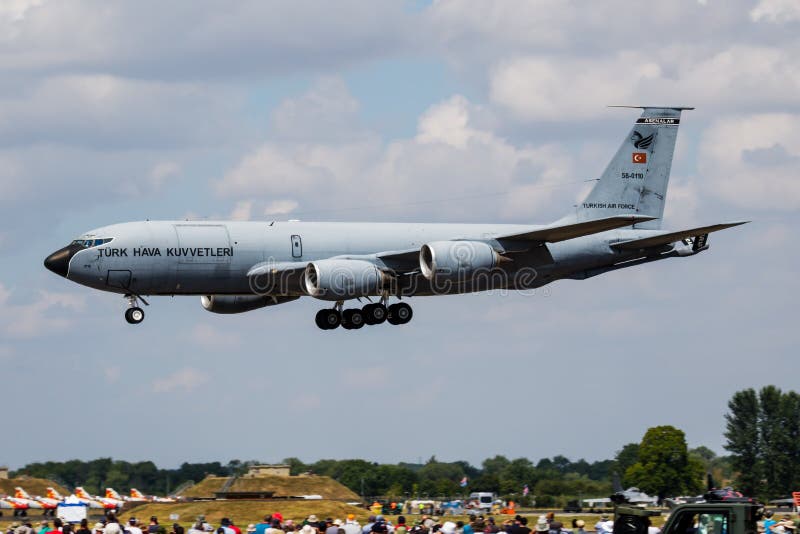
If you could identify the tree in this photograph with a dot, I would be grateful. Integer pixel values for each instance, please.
(664, 467)
(625, 458)
(744, 441)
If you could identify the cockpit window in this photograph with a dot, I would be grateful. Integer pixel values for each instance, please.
(86, 243)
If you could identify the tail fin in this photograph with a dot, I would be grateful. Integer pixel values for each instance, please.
(111, 493)
(53, 494)
(635, 181)
(20, 493)
(80, 492)
(136, 494)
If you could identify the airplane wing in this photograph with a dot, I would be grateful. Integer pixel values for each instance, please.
(666, 239)
(562, 232)
(276, 267)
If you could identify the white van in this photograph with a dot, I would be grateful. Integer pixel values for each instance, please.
(482, 500)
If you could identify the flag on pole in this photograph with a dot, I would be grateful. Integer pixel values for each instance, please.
(463, 482)
(525, 491)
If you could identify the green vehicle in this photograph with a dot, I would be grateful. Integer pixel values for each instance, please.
(711, 517)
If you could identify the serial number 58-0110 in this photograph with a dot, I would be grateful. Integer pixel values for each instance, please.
(632, 175)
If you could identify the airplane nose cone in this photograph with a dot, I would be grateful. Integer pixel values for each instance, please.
(58, 261)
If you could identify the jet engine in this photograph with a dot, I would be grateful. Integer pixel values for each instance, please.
(343, 279)
(240, 303)
(456, 260)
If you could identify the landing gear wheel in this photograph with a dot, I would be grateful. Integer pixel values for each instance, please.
(321, 319)
(352, 319)
(328, 319)
(374, 313)
(134, 315)
(400, 313)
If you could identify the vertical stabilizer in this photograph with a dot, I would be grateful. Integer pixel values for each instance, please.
(635, 181)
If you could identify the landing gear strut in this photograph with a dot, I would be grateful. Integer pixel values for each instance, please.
(371, 314)
(134, 314)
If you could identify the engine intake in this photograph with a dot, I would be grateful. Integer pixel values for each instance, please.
(456, 260)
(240, 303)
(343, 279)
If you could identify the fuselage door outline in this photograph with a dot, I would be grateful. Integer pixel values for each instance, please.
(297, 247)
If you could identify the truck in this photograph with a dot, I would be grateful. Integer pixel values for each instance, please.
(714, 516)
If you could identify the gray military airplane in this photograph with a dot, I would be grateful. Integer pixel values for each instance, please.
(239, 266)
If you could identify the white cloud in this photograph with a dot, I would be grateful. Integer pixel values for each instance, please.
(162, 171)
(751, 161)
(280, 207)
(112, 374)
(555, 88)
(241, 211)
(776, 11)
(558, 88)
(101, 110)
(186, 379)
(207, 336)
(375, 377)
(47, 313)
(451, 152)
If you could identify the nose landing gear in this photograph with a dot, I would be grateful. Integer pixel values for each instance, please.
(134, 314)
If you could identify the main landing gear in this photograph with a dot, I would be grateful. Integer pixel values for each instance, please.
(134, 314)
(355, 318)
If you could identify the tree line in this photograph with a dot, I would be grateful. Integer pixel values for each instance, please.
(762, 432)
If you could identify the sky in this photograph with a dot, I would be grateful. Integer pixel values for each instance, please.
(444, 111)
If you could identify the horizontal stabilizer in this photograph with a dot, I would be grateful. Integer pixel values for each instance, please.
(666, 239)
(553, 234)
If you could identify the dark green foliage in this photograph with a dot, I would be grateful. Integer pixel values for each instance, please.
(763, 436)
(664, 467)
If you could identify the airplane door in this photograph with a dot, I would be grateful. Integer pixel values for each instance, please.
(297, 247)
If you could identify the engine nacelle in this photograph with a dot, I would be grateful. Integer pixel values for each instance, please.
(456, 260)
(240, 303)
(343, 279)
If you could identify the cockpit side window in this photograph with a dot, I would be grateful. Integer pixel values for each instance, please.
(87, 243)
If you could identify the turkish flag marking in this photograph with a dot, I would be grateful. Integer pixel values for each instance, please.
(639, 157)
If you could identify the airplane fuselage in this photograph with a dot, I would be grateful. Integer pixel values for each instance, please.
(214, 257)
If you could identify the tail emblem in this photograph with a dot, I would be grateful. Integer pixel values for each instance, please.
(642, 143)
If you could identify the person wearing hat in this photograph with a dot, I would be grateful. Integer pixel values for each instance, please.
(251, 528)
(133, 527)
(99, 528)
(598, 527)
(351, 526)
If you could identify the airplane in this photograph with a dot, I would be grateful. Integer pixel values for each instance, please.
(631, 495)
(138, 496)
(239, 266)
(95, 502)
(49, 505)
(9, 503)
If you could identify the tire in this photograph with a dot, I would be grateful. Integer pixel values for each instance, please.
(320, 319)
(134, 315)
(354, 318)
(366, 311)
(400, 313)
(332, 319)
(374, 313)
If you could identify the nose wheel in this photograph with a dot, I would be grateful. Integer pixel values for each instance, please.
(134, 314)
